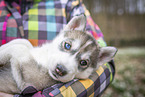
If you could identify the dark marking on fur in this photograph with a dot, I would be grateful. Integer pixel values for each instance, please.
(71, 51)
(5, 67)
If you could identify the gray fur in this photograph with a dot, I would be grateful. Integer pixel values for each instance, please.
(22, 65)
(30, 73)
(84, 37)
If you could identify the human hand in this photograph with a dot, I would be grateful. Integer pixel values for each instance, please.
(5, 95)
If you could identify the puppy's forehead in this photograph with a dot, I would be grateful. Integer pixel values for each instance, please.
(82, 36)
(74, 33)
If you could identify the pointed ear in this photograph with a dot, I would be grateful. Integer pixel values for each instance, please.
(76, 23)
(106, 54)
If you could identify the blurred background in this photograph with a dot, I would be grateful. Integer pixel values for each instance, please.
(121, 21)
(123, 25)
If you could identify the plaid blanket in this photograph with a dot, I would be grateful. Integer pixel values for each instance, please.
(40, 21)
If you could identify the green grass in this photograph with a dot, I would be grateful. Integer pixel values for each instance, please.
(130, 74)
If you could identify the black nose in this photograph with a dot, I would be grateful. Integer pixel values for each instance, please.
(60, 70)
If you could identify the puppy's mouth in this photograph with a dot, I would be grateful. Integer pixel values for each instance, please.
(56, 74)
(53, 75)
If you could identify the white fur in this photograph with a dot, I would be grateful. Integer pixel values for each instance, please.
(85, 74)
(76, 44)
(20, 53)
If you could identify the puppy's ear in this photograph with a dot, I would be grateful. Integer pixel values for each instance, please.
(76, 23)
(106, 54)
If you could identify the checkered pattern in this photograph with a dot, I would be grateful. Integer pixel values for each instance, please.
(18, 19)
(92, 87)
(84, 88)
(42, 22)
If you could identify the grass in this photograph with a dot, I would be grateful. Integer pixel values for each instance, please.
(130, 74)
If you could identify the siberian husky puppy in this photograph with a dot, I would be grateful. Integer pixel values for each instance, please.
(74, 53)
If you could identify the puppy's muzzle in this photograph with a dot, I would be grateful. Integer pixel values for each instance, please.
(60, 70)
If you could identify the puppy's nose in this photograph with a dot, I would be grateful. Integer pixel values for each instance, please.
(60, 70)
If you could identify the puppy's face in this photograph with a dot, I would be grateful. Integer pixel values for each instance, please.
(76, 53)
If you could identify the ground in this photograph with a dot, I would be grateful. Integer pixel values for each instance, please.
(130, 74)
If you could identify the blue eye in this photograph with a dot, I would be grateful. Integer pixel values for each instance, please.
(67, 46)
